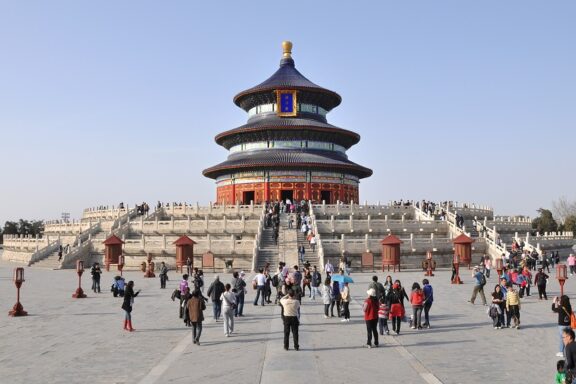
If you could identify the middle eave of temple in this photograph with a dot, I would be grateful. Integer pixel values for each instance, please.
(272, 127)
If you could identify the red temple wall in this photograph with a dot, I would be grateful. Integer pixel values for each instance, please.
(229, 194)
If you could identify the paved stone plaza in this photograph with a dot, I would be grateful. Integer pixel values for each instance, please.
(66, 340)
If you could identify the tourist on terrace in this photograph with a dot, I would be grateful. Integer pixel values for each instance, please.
(478, 286)
(570, 353)
(561, 305)
(129, 296)
(291, 311)
(163, 275)
(328, 268)
(96, 272)
(196, 306)
(571, 263)
(228, 300)
(428, 300)
(327, 297)
(417, 302)
(370, 309)
(258, 282)
(239, 286)
(395, 299)
(183, 287)
(513, 305)
(215, 293)
(497, 307)
(345, 302)
(315, 282)
(540, 280)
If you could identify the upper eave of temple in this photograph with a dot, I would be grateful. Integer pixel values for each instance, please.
(287, 77)
(272, 126)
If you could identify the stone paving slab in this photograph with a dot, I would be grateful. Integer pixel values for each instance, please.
(66, 340)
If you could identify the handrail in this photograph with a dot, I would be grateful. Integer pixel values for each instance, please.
(257, 238)
(44, 252)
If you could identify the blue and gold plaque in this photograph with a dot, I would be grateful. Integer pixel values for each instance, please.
(286, 103)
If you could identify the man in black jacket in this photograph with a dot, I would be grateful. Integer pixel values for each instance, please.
(215, 292)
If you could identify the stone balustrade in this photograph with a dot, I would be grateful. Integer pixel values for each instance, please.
(165, 244)
(104, 214)
(410, 245)
(214, 210)
(195, 226)
(381, 225)
(71, 227)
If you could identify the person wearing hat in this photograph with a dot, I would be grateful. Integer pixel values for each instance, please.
(370, 309)
(479, 286)
(540, 279)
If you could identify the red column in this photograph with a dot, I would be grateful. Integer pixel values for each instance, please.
(266, 190)
(308, 195)
(233, 200)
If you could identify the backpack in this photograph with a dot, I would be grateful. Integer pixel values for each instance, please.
(275, 281)
(482, 280)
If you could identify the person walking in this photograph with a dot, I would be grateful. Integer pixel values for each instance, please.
(183, 289)
(196, 307)
(417, 302)
(540, 279)
(301, 253)
(163, 275)
(561, 305)
(395, 298)
(228, 300)
(327, 297)
(346, 303)
(478, 286)
(570, 352)
(259, 282)
(383, 313)
(96, 272)
(215, 293)
(239, 286)
(129, 296)
(428, 300)
(513, 305)
(291, 310)
(370, 309)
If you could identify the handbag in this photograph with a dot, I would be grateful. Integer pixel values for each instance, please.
(572, 318)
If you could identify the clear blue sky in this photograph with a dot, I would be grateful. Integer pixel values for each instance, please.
(109, 101)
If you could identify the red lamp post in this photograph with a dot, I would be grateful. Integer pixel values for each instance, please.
(499, 266)
(120, 263)
(456, 263)
(562, 276)
(18, 278)
(429, 264)
(79, 294)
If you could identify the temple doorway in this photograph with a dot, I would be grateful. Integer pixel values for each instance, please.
(325, 196)
(247, 197)
(287, 194)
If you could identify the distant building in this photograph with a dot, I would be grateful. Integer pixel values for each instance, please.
(287, 149)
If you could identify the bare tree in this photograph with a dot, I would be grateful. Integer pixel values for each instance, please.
(563, 208)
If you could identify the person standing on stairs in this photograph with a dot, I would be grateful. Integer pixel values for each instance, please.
(301, 253)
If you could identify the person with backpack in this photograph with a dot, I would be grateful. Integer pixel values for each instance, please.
(479, 286)
(315, 281)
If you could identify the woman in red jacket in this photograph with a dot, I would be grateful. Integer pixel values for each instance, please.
(417, 302)
(370, 309)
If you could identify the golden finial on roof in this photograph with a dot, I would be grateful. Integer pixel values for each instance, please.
(287, 48)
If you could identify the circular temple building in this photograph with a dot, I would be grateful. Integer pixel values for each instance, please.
(287, 149)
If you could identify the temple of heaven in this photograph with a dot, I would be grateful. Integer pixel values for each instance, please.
(287, 149)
